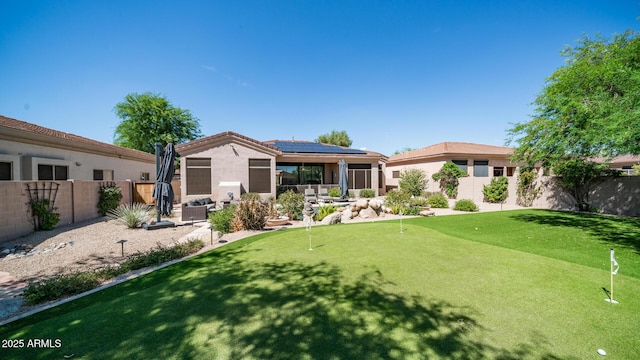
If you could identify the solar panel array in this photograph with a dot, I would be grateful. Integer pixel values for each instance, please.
(311, 147)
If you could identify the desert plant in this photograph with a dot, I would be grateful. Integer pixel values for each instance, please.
(438, 201)
(249, 215)
(497, 191)
(250, 196)
(367, 193)
(45, 215)
(325, 210)
(414, 181)
(465, 205)
(109, 198)
(527, 190)
(448, 178)
(334, 192)
(221, 219)
(292, 204)
(419, 201)
(132, 216)
(396, 197)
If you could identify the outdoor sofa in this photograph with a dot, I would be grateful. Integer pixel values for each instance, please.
(198, 209)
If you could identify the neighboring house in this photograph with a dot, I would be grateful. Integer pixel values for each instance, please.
(625, 163)
(479, 161)
(226, 165)
(30, 152)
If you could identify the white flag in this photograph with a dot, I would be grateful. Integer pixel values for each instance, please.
(615, 267)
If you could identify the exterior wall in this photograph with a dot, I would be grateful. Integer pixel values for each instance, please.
(428, 167)
(27, 157)
(229, 163)
(75, 201)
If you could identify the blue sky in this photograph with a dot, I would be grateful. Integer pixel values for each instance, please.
(393, 74)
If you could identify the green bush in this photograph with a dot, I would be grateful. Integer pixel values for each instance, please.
(465, 205)
(132, 216)
(367, 193)
(438, 201)
(448, 178)
(292, 204)
(65, 285)
(249, 215)
(418, 201)
(221, 219)
(109, 199)
(397, 197)
(414, 181)
(334, 192)
(497, 191)
(45, 215)
(325, 210)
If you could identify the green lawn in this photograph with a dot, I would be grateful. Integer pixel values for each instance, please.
(525, 284)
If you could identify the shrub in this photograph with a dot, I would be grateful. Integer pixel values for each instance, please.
(250, 196)
(448, 178)
(438, 201)
(397, 197)
(334, 192)
(419, 201)
(414, 181)
(249, 215)
(325, 210)
(465, 205)
(292, 204)
(130, 215)
(497, 191)
(221, 219)
(636, 169)
(109, 199)
(75, 283)
(45, 215)
(367, 193)
(527, 190)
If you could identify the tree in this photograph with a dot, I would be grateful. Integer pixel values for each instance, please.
(405, 149)
(577, 177)
(497, 191)
(448, 178)
(413, 181)
(527, 190)
(588, 108)
(150, 118)
(339, 138)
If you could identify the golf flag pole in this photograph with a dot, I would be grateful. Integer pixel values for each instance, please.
(614, 270)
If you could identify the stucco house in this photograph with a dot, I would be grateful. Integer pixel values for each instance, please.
(228, 164)
(30, 152)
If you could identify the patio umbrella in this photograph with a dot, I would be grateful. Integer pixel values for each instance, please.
(342, 179)
(163, 192)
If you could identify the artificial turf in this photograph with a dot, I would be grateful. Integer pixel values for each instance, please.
(525, 284)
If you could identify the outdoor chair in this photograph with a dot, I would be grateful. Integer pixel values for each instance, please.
(310, 195)
(323, 194)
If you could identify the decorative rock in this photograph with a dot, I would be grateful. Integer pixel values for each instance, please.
(427, 213)
(333, 218)
(367, 213)
(362, 204)
(346, 215)
(375, 204)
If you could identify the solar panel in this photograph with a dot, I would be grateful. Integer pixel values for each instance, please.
(311, 147)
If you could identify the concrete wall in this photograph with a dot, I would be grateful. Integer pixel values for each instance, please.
(75, 201)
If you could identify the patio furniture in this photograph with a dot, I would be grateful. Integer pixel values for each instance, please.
(323, 194)
(197, 209)
(310, 195)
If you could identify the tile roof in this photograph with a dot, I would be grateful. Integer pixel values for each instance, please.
(450, 149)
(13, 129)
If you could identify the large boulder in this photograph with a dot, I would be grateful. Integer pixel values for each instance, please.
(362, 204)
(346, 215)
(368, 213)
(427, 213)
(333, 218)
(375, 204)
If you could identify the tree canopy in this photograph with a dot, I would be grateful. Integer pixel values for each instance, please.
(150, 118)
(588, 108)
(339, 138)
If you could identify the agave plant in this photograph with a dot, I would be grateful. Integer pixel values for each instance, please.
(130, 215)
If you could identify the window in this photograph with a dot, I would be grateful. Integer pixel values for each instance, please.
(627, 170)
(260, 175)
(510, 170)
(144, 176)
(102, 174)
(359, 176)
(5, 170)
(52, 172)
(462, 164)
(481, 168)
(299, 174)
(498, 171)
(198, 176)
(396, 174)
